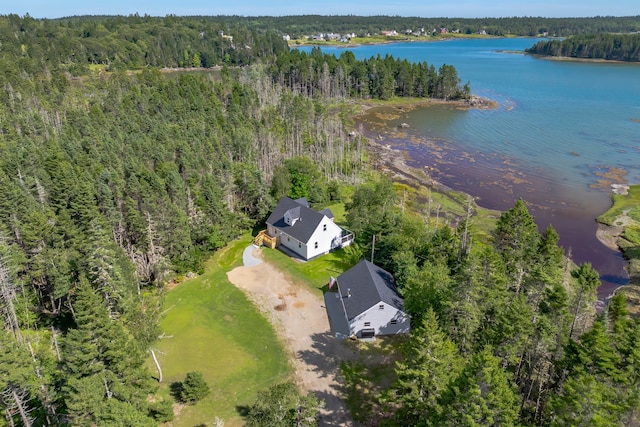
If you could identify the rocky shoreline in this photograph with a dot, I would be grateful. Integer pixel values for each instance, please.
(608, 235)
(393, 162)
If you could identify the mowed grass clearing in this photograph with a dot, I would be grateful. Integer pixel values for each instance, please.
(210, 326)
(314, 274)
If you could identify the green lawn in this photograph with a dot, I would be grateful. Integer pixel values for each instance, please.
(628, 202)
(314, 274)
(211, 327)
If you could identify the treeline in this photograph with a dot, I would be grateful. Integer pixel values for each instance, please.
(134, 42)
(307, 25)
(504, 332)
(140, 41)
(615, 47)
(376, 77)
(75, 44)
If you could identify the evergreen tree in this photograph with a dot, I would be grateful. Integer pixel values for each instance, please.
(428, 288)
(481, 396)
(193, 388)
(430, 362)
(104, 376)
(586, 284)
(17, 381)
(516, 238)
(282, 406)
(585, 400)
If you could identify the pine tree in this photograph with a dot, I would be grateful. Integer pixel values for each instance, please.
(587, 282)
(516, 238)
(17, 380)
(101, 363)
(282, 406)
(585, 400)
(430, 361)
(481, 396)
(193, 388)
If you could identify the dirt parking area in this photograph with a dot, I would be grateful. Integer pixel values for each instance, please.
(301, 322)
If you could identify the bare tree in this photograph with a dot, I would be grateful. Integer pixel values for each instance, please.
(155, 361)
(7, 298)
(15, 399)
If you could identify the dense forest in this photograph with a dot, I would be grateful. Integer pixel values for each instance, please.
(110, 183)
(376, 77)
(134, 42)
(115, 177)
(504, 331)
(614, 47)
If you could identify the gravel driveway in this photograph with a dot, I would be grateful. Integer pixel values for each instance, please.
(300, 319)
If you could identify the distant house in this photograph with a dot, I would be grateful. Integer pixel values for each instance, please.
(307, 233)
(230, 38)
(389, 33)
(366, 304)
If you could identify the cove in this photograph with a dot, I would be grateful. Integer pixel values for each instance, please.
(563, 132)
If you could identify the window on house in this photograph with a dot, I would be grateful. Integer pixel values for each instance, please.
(299, 244)
(394, 321)
(367, 323)
(288, 239)
(324, 227)
(315, 245)
(381, 306)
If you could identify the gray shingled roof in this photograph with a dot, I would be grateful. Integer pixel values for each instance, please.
(327, 212)
(307, 223)
(368, 285)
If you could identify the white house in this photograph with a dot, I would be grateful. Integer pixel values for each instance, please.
(307, 233)
(366, 303)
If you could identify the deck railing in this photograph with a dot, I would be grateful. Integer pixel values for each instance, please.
(263, 238)
(346, 238)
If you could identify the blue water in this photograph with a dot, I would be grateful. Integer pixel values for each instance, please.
(563, 132)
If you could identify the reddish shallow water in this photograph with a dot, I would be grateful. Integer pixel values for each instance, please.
(496, 183)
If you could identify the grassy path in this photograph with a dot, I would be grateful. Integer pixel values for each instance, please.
(210, 326)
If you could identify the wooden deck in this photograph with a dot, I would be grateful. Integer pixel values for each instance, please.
(263, 238)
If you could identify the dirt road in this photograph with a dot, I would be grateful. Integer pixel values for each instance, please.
(300, 319)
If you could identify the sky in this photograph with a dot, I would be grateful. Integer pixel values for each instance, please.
(421, 8)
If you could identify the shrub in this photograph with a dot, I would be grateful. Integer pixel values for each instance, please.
(162, 411)
(194, 387)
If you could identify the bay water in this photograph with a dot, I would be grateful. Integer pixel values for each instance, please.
(562, 133)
